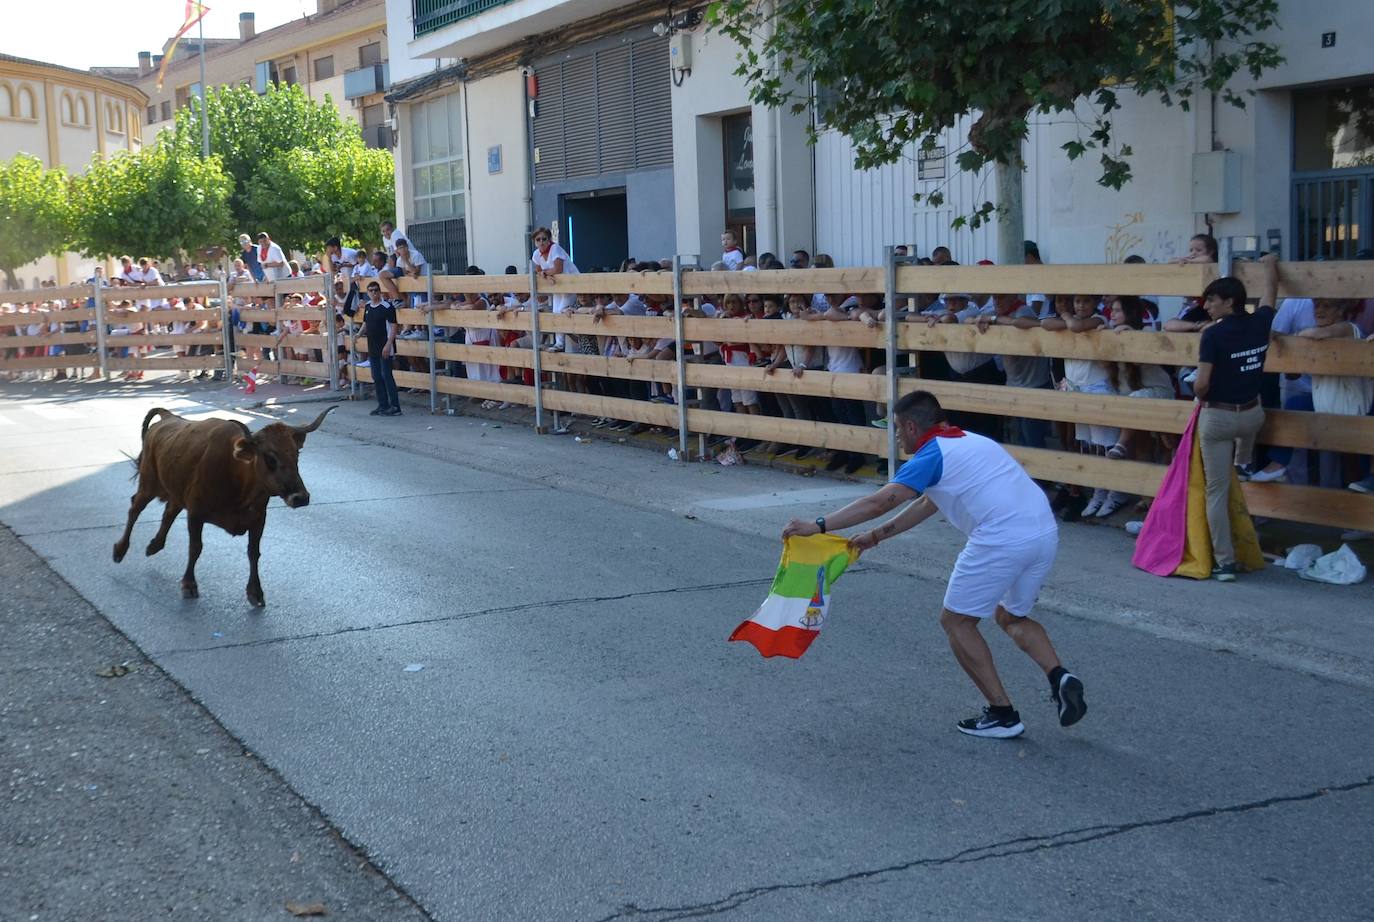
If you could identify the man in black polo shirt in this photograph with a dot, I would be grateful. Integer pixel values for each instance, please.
(379, 322)
(1229, 375)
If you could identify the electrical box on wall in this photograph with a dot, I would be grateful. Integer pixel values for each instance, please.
(1216, 182)
(680, 50)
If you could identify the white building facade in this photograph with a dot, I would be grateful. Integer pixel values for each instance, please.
(628, 132)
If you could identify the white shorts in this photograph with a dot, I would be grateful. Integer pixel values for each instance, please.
(986, 576)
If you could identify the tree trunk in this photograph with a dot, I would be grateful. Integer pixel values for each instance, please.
(11, 280)
(1011, 216)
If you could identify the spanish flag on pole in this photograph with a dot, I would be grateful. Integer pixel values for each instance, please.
(195, 12)
(792, 615)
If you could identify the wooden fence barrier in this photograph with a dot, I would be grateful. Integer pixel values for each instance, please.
(1354, 435)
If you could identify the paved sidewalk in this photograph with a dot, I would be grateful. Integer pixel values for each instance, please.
(125, 799)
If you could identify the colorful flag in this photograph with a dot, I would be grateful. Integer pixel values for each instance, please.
(797, 604)
(195, 12)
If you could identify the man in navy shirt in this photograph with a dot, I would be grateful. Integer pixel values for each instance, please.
(379, 323)
(1230, 373)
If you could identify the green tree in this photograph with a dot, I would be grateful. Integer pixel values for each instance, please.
(159, 202)
(905, 72)
(34, 214)
(307, 196)
(248, 131)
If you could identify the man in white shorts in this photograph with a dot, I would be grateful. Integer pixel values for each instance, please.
(1012, 538)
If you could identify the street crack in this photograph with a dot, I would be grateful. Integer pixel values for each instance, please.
(1006, 849)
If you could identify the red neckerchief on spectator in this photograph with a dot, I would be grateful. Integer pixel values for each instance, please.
(941, 430)
(262, 256)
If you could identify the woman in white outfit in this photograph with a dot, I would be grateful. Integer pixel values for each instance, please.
(551, 260)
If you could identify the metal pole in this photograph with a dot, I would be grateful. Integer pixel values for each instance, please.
(538, 356)
(204, 109)
(1224, 257)
(101, 353)
(226, 328)
(448, 401)
(276, 327)
(331, 341)
(681, 360)
(890, 298)
(429, 325)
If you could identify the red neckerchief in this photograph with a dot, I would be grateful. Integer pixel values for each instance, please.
(263, 253)
(940, 430)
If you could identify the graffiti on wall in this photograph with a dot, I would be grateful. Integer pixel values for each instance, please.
(1131, 236)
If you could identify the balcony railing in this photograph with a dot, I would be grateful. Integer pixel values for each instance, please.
(435, 14)
(374, 78)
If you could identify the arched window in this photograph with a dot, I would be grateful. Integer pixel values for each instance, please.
(83, 111)
(68, 116)
(26, 104)
(6, 101)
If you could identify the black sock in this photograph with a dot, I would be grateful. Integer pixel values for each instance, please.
(1057, 673)
(1001, 710)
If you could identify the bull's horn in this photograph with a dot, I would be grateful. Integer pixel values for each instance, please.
(316, 424)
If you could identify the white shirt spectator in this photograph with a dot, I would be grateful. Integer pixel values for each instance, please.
(389, 241)
(733, 258)
(415, 259)
(561, 302)
(272, 254)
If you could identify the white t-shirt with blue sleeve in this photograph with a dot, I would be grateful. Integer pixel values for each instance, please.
(980, 488)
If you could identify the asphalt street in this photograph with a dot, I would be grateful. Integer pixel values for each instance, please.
(495, 662)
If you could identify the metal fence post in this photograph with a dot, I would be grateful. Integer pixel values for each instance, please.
(331, 340)
(681, 353)
(276, 328)
(1225, 250)
(538, 355)
(429, 325)
(890, 297)
(102, 353)
(226, 328)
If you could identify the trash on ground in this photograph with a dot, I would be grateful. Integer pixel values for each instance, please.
(690, 516)
(306, 909)
(415, 667)
(1302, 556)
(672, 454)
(1133, 527)
(114, 672)
(1341, 568)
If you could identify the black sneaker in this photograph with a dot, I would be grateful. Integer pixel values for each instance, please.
(837, 462)
(1243, 472)
(377, 412)
(992, 726)
(854, 463)
(392, 411)
(1069, 698)
(1224, 573)
(805, 450)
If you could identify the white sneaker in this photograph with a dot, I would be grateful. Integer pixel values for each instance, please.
(1113, 502)
(1094, 504)
(1265, 475)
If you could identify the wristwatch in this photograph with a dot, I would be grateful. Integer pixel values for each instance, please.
(820, 523)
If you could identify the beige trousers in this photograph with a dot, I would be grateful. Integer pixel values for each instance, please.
(1220, 433)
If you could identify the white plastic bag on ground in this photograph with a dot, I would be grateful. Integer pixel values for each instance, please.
(1340, 567)
(1302, 556)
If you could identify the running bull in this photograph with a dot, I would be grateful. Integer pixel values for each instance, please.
(220, 473)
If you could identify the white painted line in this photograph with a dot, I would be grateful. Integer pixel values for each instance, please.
(786, 498)
(52, 411)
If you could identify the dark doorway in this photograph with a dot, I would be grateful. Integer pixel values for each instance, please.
(596, 229)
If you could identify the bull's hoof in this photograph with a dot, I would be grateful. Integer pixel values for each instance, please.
(255, 599)
(120, 550)
(154, 547)
(189, 590)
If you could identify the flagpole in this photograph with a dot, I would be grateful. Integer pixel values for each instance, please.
(204, 92)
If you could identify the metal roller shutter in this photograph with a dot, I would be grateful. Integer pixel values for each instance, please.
(548, 126)
(653, 103)
(614, 115)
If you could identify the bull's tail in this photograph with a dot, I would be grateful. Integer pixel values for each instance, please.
(143, 436)
(148, 420)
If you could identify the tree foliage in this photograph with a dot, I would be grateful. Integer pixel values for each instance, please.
(904, 72)
(159, 202)
(306, 196)
(34, 214)
(255, 137)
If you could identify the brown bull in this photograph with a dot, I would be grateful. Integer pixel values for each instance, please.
(220, 473)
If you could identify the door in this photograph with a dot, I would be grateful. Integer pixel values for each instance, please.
(596, 229)
(738, 132)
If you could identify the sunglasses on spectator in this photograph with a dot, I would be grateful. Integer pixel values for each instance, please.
(541, 239)
(373, 288)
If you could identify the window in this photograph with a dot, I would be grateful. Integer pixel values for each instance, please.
(6, 101)
(373, 115)
(436, 157)
(68, 116)
(183, 96)
(27, 108)
(288, 75)
(166, 109)
(324, 67)
(264, 76)
(83, 111)
(152, 115)
(1333, 128)
(370, 54)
